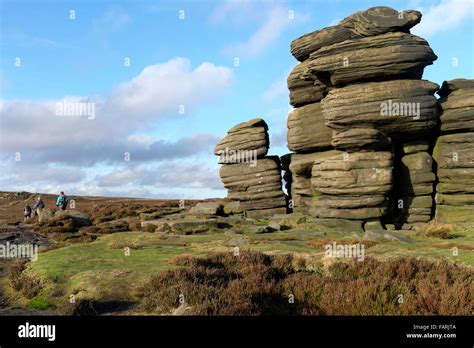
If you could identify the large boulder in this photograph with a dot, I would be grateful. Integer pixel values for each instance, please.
(373, 21)
(352, 186)
(302, 193)
(244, 142)
(386, 56)
(454, 155)
(457, 105)
(381, 20)
(307, 130)
(305, 88)
(207, 208)
(414, 194)
(400, 109)
(258, 187)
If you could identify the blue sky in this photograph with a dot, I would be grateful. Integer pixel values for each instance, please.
(179, 61)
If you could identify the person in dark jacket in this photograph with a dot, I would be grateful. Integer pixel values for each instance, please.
(27, 212)
(38, 206)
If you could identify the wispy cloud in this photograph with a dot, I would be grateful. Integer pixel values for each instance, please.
(235, 11)
(446, 15)
(278, 90)
(113, 19)
(277, 20)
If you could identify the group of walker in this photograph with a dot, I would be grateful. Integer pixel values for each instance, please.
(29, 212)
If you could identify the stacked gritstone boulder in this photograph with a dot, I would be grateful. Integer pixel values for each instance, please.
(352, 186)
(251, 177)
(413, 201)
(454, 154)
(358, 95)
(302, 192)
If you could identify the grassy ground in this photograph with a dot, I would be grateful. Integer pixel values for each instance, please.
(115, 266)
(103, 270)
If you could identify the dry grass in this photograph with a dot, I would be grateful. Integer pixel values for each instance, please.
(182, 260)
(26, 284)
(258, 284)
(461, 246)
(435, 230)
(149, 228)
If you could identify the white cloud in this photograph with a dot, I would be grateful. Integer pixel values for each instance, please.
(446, 15)
(57, 150)
(166, 174)
(156, 92)
(162, 88)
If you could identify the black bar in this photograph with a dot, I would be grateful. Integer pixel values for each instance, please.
(135, 330)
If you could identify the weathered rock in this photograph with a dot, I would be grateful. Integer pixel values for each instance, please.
(390, 55)
(305, 88)
(414, 186)
(45, 214)
(380, 20)
(290, 220)
(79, 218)
(256, 186)
(244, 142)
(352, 186)
(303, 46)
(264, 213)
(182, 226)
(415, 146)
(399, 109)
(207, 208)
(232, 208)
(301, 166)
(236, 241)
(360, 174)
(457, 105)
(453, 85)
(278, 226)
(307, 130)
(373, 225)
(374, 21)
(360, 138)
(454, 154)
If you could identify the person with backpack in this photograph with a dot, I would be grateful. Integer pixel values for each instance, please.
(38, 206)
(27, 212)
(61, 201)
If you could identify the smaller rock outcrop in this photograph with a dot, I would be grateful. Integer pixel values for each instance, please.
(251, 178)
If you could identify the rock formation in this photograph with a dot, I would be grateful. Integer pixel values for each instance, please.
(414, 197)
(362, 132)
(352, 186)
(251, 178)
(358, 98)
(454, 153)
